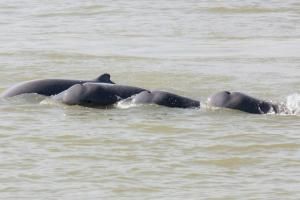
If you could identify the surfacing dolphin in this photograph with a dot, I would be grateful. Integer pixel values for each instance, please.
(165, 99)
(101, 94)
(49, 87)
(242, 102)
(96, 94)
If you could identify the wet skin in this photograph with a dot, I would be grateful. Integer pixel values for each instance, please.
(242, 102)
(99, 94)
(49, 87)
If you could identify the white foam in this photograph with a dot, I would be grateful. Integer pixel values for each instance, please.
(126, 103)
(293, 104)
(50, 101)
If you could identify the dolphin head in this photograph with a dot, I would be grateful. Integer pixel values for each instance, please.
(219, 99)
(90, 95)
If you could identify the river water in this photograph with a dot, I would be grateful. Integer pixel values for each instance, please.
(192, 48)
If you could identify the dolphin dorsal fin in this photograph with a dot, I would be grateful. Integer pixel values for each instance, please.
(104, 78)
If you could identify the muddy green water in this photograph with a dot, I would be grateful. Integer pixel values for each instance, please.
(193, 48)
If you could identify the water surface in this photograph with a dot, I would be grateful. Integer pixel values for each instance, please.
(192, 48)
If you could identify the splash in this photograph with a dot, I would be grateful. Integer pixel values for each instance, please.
(293, 104)
(50, 101)
(126, 103)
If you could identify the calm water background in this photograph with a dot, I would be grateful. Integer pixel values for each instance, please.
(193, 48)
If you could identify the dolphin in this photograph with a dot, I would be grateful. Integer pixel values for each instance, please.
(49, 87)
(96, 94)
(242, 102)
(165, 99)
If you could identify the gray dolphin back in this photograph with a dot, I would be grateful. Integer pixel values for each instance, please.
(165, 99)
(96, 94)
(83, 95)
(49, 87)
(242, 102)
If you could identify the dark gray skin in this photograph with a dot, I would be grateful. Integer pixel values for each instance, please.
(49, 87)
(100, 94)
(96, 94)
(165, 99)
(242, 102)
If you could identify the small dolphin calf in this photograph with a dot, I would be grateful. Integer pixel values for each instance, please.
(49, 87)
(242, 102)
(165, 99)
